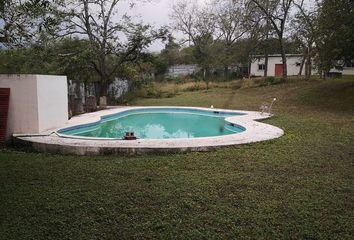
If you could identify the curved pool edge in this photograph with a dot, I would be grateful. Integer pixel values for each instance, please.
(55, 143)
(99, 118)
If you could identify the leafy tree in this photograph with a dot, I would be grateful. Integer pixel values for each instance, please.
(186, 56)
(65, 57)
(72, 56)
(334, 34)
(170, 54)
(27, 21)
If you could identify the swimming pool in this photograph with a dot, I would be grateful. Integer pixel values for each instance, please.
(207, 128)
(159, 123)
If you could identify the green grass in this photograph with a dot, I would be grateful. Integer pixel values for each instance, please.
(299, 186)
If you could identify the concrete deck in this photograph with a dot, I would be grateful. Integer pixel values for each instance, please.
(53, 142)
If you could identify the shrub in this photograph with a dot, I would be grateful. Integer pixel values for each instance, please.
(258, 81)
(270, 80)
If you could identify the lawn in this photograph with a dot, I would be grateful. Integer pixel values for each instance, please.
(300, 186)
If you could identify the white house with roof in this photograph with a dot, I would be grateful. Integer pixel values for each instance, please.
(275, 65)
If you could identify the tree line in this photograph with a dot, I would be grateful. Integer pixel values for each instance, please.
(91, 40)
(225, 31)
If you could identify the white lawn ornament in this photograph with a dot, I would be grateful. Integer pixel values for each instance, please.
(264, 107)
(271, 105)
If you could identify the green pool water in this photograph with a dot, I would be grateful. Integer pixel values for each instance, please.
(159, 124)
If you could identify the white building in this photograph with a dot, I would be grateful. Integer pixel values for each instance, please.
(182, 70)
(275, 65)
(37, 103)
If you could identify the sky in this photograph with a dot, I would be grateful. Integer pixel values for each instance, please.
(154, 12)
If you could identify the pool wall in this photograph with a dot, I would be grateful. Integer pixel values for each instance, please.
(54, 142)
(69, 132)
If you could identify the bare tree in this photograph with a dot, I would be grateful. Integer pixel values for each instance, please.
(113, 42)
(304, 32)
(197, 24)
(266, 46)
(231, 25)
(259, 32)
(277, 12)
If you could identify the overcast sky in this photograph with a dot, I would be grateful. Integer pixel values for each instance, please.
(155, 12)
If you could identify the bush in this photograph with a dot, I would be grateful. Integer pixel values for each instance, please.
(258, 81)
(282, 80)
(270, 80)
(152, 93)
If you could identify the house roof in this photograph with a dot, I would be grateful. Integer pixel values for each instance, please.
(278, 55)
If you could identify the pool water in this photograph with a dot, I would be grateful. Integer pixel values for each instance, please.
(159, 124)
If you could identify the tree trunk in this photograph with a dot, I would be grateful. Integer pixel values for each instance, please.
(207, 76)
(249, 67)
(309, 65)
(283, 56)
(266, 47)
(266, 58)
(226, 72)
(302, 66)
(103, 88)
(85, 89)
(103, 93)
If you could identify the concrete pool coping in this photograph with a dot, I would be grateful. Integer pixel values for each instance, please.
(52, 141)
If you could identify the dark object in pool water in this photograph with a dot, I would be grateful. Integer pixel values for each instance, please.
(129, 136)
(221, 129)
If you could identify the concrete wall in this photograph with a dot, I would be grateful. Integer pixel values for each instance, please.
(52, 94)
(182, 70)
(348, 71)
(23, 112)
(37, 103)
(293, 68)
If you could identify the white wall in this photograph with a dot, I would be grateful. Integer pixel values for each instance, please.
(52, 94)
(23, 112)
(181, 70)
(291, 64)
(37, 103)
(348, 71)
